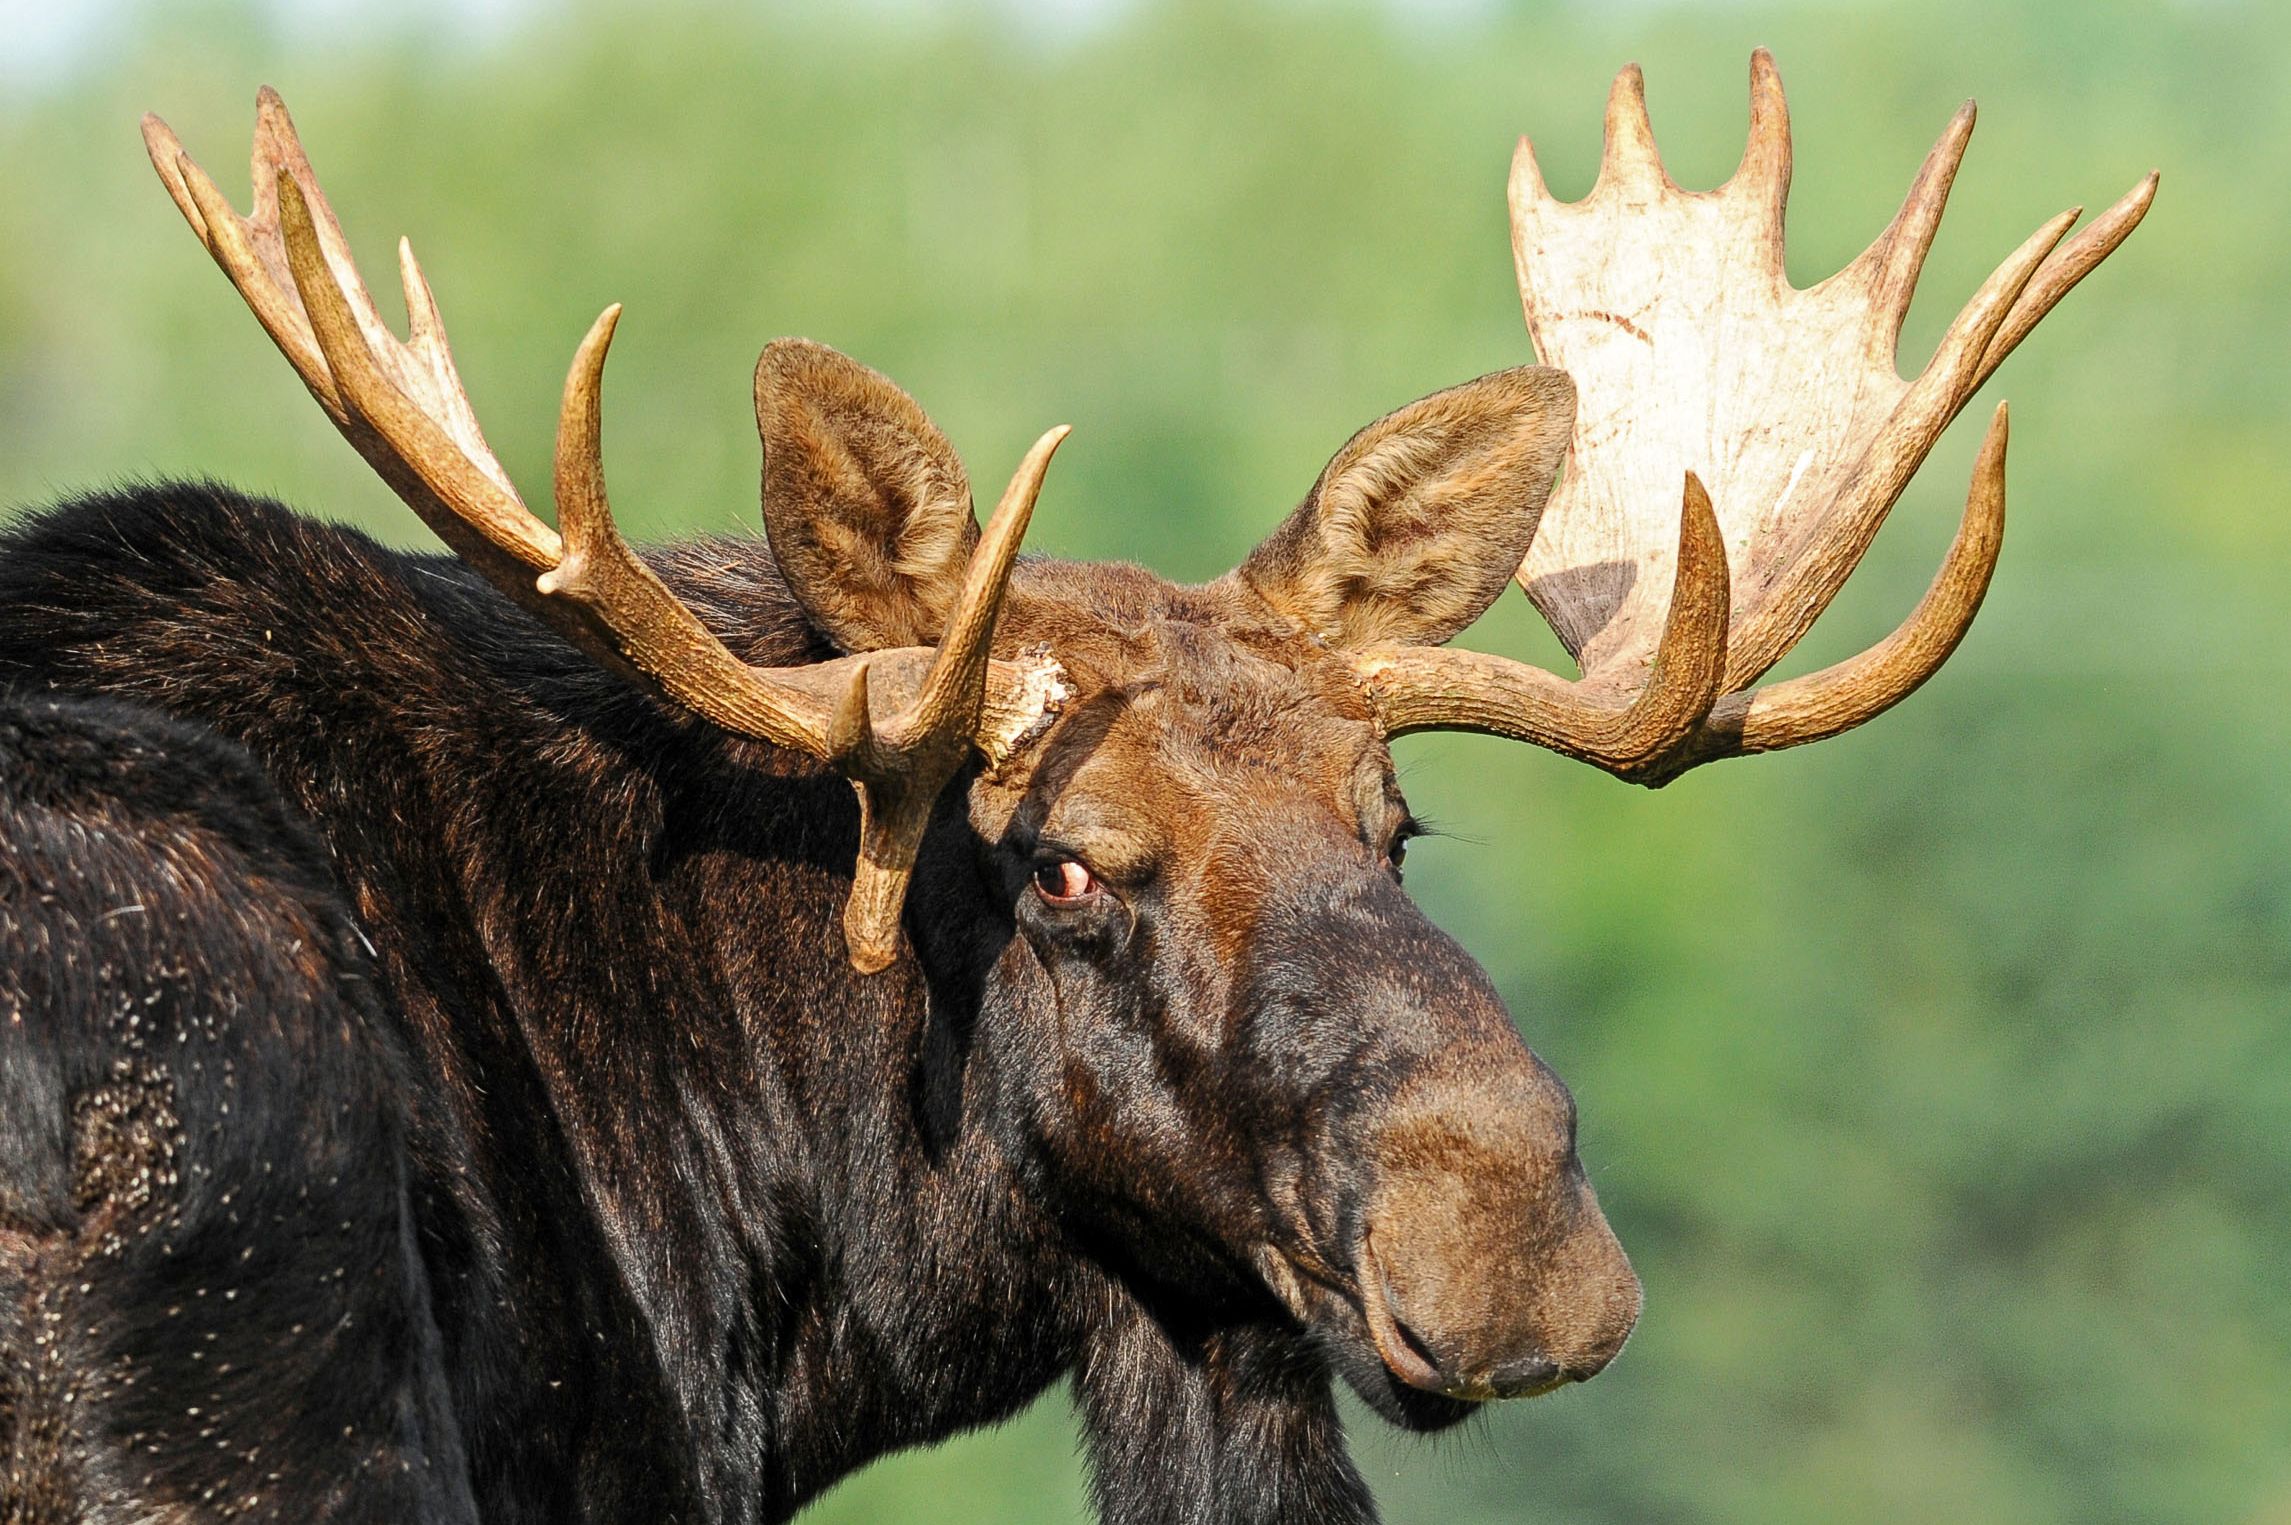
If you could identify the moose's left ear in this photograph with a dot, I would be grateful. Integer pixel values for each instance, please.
(1417, 524)
(865, 503)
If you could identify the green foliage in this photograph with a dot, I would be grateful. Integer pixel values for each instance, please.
(1939, 1078)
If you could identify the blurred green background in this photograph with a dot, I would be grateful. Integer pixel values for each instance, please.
(1938, 1078)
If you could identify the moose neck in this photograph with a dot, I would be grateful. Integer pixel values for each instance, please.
(845, 1155)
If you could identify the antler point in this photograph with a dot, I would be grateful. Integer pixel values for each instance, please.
(1630, 152)
(850, 726)
(1526, 180)
(271, 114)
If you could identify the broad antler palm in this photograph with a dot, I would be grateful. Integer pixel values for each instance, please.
(897, 722)
(1784, 415)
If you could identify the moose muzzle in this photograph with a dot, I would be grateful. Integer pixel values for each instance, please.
(1486, 1268)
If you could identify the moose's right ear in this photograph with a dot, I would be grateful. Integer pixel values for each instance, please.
(865, 503)
(1415, 527)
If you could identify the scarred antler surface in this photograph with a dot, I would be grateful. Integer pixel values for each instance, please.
(897, 722)
(1694, 358)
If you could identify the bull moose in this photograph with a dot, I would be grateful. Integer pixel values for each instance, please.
(456, 1063)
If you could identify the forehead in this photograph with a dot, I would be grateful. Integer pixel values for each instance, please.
(1195, 691)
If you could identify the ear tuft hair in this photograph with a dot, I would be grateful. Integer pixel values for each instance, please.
(1419, 521)
(866, 505)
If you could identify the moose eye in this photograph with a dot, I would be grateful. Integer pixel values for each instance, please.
(1064, 882)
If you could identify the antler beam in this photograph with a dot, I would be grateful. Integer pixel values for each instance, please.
(1418, 688)
(402, 405)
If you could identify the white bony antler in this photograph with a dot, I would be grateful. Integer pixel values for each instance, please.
(1695, 360)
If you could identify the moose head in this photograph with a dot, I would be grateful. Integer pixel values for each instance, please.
(1158, 825)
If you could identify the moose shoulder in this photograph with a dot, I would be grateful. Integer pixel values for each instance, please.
(733, 1155)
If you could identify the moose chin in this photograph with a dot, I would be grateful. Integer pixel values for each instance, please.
(553, 1033)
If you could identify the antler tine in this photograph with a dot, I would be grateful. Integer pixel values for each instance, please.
(1526, 183)
(608, 602)
(1896, 257)
(1834, 700)
(278, 155)
(2064, 267)
(425, 328)
(1892, 458)
(952, 693)
(400, 402)
(483, 521)
(851, 729)
(245, 261)
(253, 252)
(637, 620)
(901, 768)
(421, 365)
(426, 346)
(1417, 688)
(1629, 156)
(174, 167)
(1764, 172)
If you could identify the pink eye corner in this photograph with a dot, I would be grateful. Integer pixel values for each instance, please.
(1064, 882)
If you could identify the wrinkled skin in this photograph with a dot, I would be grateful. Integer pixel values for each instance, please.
(1172, 1088)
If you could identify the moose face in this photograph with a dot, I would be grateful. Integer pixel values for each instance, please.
(1252, 1059)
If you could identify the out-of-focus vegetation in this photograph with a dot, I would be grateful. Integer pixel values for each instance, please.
(1939, 1077)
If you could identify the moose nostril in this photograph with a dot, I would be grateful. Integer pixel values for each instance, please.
(1416, 1343)
(1404, 1352)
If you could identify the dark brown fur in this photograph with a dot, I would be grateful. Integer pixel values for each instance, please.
(705, 1218)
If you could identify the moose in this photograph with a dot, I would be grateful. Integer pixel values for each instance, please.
(554, 1032)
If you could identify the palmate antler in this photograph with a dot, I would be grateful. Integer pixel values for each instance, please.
(401, 403)
(1695, 360)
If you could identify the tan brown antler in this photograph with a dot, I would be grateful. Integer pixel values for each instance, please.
(1693, 356)
(897, 722)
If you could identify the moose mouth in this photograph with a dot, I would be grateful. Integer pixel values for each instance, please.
(1390, 1366)
(1408, 1356)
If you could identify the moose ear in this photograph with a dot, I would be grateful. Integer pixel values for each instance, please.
(865, 503)
(1417, 524)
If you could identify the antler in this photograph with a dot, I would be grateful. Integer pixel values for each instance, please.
(1693, 355)
(401, 403)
